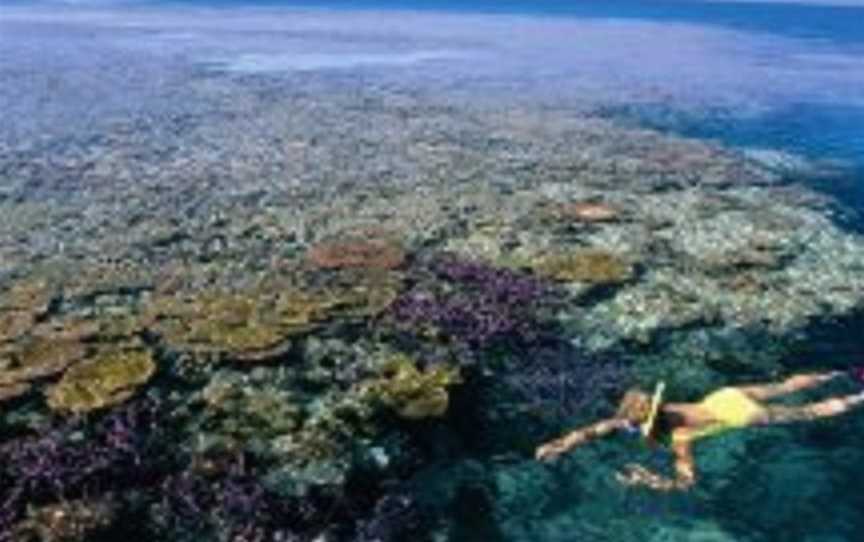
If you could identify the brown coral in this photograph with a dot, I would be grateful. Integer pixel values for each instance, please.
(588, 265)
(106, 380)
(353, 252)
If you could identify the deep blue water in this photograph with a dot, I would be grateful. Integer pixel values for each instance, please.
(837, 24)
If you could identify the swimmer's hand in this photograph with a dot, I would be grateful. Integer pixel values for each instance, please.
(551, 450)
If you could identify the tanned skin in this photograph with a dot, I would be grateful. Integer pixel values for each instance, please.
(686, 419)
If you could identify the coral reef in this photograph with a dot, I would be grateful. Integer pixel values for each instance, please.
(412, 393)
(588, 265)
(21, 305)
(106, 380)
(566, 380)
(362, 295)
(67, 461)
(244, 326)
(122, 246)
(246, 413)
(38, 358)
(477, 304)
(70, 521)
(15, 323)
(33, 296)
(364, 252)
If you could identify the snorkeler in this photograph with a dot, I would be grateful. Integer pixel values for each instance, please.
(684, 423)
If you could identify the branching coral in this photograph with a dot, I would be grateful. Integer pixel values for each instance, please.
(411, 393)
(476, 304)
(71, 460)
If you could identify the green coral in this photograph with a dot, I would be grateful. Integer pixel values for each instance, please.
(593, 266)
(362, 294)
(37, 358)
(411, 393)
(255, 324)
(106, 380)
(240, 325)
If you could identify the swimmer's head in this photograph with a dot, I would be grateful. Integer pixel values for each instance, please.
(635, 407)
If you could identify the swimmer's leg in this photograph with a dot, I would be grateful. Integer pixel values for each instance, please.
(812, 411)
(761, 392)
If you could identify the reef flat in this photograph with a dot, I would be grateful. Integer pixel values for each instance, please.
(304, 298)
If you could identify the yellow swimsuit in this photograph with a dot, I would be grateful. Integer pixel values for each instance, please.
(731, 408)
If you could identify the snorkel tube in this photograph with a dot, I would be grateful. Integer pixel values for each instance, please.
(648, 425)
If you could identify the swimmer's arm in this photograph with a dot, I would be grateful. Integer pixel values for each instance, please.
(685, 466)
(578, 437)
(685, 469)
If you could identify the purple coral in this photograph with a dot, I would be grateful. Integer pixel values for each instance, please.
(478, 304)
(67, 461)
(234, 503)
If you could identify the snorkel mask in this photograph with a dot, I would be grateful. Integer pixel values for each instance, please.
(648, 425)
